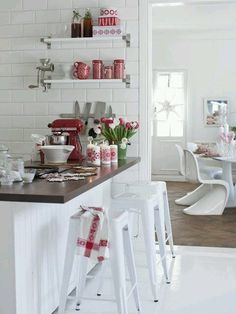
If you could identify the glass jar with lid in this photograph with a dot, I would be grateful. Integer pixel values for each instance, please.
(3, 155)
(18, 165)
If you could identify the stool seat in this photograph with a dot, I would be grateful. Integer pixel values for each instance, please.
(151, 201)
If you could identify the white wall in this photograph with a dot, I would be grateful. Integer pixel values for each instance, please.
(209, 59)
(24, 111)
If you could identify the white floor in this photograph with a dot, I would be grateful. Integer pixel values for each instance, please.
(203, 282)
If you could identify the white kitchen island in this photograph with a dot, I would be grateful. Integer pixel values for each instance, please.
(33, 232)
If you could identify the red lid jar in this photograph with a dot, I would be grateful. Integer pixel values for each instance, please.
(119, 69)
(97, 69)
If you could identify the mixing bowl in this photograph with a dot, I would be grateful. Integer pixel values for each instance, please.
(56, 154)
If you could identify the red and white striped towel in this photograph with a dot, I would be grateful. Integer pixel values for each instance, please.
(92, 239)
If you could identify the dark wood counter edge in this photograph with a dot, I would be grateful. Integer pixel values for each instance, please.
(90, 185)
(61, 199)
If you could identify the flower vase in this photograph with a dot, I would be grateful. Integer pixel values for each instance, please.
(122, 152)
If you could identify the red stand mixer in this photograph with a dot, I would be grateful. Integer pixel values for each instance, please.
(73, 127)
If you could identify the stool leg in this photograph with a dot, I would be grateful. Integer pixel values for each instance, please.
(118, 269)
(82, 274)
(150, 249)
(101, 278)
(168, 223)
(160, 230)
(129, 253)
(68, 263)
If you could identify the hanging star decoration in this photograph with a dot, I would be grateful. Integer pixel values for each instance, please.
(168, 107)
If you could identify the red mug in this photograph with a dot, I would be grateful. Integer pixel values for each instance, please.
(81, 71)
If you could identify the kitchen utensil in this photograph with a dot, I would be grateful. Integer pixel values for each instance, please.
(100, 109)
(109, 113)
(28, 175)
(75, 115)
(87, 108)
(57, 153)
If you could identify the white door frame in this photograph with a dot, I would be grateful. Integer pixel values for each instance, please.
(145, 67)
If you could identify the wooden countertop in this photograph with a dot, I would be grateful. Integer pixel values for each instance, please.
(42, 191)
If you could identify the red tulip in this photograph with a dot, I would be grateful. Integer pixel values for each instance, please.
(122, 121)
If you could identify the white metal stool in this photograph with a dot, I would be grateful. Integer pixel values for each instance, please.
(120, 248)
(151, 201)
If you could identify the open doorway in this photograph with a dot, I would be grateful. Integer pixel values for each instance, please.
(169, 119)
(195, 39)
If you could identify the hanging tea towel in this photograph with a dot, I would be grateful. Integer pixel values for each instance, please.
(92, 239)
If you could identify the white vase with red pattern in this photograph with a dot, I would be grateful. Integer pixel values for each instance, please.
(96, 155)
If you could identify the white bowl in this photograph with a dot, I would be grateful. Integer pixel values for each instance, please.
(56, 154)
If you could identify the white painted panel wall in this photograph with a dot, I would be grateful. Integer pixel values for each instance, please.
(31, 268)
(208, 58)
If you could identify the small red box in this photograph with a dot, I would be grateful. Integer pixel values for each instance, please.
(108, 21)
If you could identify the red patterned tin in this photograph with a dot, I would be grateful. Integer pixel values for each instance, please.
(97, 69)
(119, 69)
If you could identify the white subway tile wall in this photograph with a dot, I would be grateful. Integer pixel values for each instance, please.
(24, 111)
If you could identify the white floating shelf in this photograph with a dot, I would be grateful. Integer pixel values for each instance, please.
(50, 40)
(69, 81)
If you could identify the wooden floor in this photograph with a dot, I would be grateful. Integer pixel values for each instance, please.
(215, 231)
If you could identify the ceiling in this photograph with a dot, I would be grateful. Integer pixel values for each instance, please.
(195, 17)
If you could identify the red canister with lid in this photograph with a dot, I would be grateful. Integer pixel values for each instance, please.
(119, 69)
(97, 69)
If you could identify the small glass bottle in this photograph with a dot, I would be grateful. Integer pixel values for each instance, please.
(76, 25)
(88, 24)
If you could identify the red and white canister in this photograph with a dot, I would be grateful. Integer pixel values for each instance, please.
(106, 154)
(114, 153)
(97, 69)
(119, 69)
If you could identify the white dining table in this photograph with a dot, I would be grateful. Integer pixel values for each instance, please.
(228, 177)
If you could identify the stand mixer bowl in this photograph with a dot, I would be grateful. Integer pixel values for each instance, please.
(57, 139)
